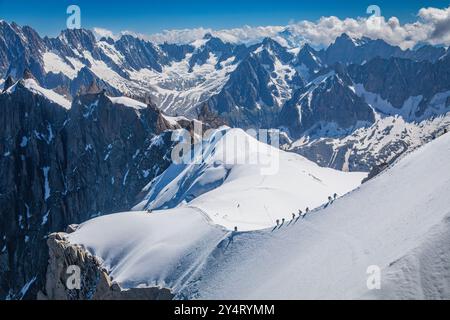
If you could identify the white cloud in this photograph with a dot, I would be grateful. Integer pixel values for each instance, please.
(432, 26)
(101, 32)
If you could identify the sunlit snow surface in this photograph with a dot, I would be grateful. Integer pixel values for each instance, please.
(238, 181)
(34, 87)
(178, 89)
(398, 221)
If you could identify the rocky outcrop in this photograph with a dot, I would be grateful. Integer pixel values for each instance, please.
(215, 46)
(358, 51)
(329, 100)
(95, 281)
(397, 80)
(19, 50)
(83, 80)
(8, 83)
(262, 82)
(61, 167)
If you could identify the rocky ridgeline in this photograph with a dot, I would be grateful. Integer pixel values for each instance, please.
(95, 282)
(62, 166)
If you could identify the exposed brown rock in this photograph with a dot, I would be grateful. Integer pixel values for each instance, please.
(96, 284)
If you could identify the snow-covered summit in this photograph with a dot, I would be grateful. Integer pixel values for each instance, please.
(238, 181)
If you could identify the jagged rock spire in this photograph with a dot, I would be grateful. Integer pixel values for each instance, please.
(205, 115)
(93, 88)
(147, 100)
(27, 74)
(8, 83)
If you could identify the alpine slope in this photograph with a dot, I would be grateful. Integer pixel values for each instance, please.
(397, 222)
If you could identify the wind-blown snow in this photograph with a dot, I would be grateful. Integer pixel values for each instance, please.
(383, 223)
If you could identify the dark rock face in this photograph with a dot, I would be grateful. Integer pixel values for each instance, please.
(249, 98)
(425, 53)
(237, 102)
(276, 49)
(85, 78)
(8, 83)
(329, 100)
(309, 58)
(61, 167)
(356, 51)
(80, 39)
(347, 50)
(140, 54)
(209, 118)
(398, 79)
(19, 49)
(176, 52)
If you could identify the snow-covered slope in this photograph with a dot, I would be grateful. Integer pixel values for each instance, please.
(128, 102)
(238, 181)
(398, 222)
(393, 132)
(51, 95)
(178, 89)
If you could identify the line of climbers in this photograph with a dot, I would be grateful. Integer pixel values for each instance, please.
(302, 214)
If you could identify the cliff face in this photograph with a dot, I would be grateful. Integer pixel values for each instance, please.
(96, 284)
(62, 166)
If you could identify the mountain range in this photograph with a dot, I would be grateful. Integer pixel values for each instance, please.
(313, 95)
(86, 123)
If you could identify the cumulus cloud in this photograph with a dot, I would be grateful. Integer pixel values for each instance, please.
(103, 33)
(439, 21)
(432, 26)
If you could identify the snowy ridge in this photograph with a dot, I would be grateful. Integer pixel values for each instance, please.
(387, 222)
(128, 102)
(239, 181)
(33, 87)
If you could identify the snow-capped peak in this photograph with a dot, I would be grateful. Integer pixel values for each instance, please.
(31, 85)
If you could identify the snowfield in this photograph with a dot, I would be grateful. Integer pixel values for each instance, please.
(128, 102)
(399, 222)
(238, 181)
(178, 89)
(35, 88)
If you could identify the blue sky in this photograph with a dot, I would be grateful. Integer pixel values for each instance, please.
(49, 16)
